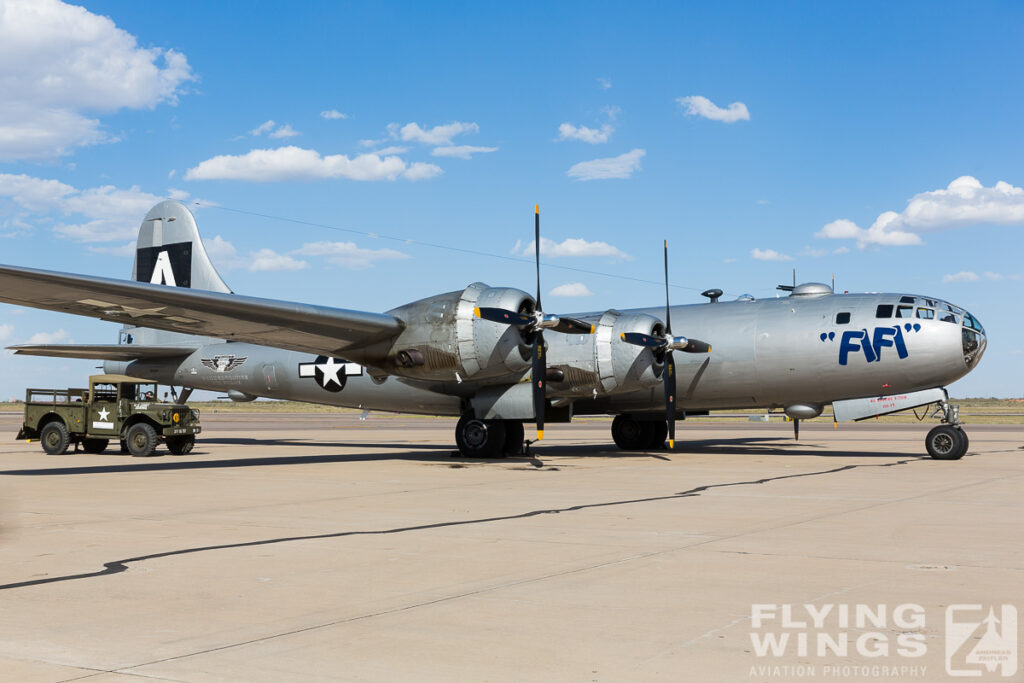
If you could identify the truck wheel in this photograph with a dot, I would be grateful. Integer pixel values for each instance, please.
(54, 438)
(95, 445)
(141, 440)
(180, 445)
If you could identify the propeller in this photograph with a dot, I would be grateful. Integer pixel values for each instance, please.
(667, 344)
(534, 324)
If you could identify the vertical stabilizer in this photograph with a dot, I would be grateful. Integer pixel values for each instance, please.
(170, 252)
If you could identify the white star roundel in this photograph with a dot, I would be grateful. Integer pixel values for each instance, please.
(330, 373)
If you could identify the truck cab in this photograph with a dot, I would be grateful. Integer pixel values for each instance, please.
(113, 407)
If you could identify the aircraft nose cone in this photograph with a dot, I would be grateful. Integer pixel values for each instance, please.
(974, 340)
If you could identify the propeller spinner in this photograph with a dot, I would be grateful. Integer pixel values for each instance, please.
(534, 324)
(667, 344)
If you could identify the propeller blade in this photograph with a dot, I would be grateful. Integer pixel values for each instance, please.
(641, 339)
(670, 398)
(536, 241)
(503, 315)
(573, 326)
(696, 346)
(668, 315)
(539, 377)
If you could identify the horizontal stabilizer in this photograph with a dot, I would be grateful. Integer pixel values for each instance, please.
(123, 352)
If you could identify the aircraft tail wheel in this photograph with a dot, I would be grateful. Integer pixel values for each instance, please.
(480, 438)
(946, 442)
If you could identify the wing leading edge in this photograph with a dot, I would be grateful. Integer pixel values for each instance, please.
(268, 322)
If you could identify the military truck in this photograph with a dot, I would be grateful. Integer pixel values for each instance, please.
(113, 407)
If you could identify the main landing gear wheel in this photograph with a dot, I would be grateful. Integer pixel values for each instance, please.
(514, 435)
(631, 434)
(480, 438)
(54, 438)
(659, 435)
(946, 442)
(141, 440)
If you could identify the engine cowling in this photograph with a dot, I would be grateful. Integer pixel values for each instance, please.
(443, 338)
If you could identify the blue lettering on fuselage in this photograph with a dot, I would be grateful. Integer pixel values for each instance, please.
(871, 344)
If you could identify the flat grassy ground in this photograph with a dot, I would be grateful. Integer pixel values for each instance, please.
(972, 411)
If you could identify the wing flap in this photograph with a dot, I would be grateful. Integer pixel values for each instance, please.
(124, 352)
(268, 322)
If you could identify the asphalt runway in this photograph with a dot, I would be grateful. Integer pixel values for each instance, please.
(323, 547)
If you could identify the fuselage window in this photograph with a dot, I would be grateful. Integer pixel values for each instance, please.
(904, 311)
(947, 317)
(883, 311)
(925, 313)
(842, 318)
(907, 300)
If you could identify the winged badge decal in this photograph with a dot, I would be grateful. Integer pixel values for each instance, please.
(225, 363)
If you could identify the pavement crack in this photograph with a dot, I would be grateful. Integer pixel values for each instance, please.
(122, 565)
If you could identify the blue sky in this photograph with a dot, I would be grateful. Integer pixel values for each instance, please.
(880, 142)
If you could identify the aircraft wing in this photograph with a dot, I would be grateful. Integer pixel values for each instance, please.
(268, 322)
(125, 352)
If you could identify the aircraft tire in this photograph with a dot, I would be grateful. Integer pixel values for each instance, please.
(141, 440)
(95, 445)
(946, 442)
(181, 445)
(54, 438)
(631, 434)
(480, 438)
(514, 435)
(658, 435)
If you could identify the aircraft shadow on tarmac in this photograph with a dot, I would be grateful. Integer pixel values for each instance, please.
(447, 455)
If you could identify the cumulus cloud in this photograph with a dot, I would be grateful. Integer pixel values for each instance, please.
(421, 171)
(296, 163)
(48, 337)
(5, 332)
(769, 255)
(461, 151)
(621, 166)
(964, 202)
(348, 254)
(571, 289)
(98, 214)
(333, 115)
(268, 259)
(574, 246)
(438, 135)
(962, 276)
(59, 63)
(697, 105)
(593, 136)
(272, 130)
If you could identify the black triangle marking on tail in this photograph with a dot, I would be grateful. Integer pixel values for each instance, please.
(168, 264)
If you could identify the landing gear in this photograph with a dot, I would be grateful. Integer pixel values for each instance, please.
(481, 438)
(514, 435)
(947, 441)
(631, 434)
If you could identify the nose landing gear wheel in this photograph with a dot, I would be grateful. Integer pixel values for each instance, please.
(946, 443)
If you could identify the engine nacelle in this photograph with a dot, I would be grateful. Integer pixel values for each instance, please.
(602, 362)
(443, 338)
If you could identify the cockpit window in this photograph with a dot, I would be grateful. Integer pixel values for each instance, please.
(907, 300)
(883, 311)
(925, 313)
(971, 322)
(842, 318)
(904, 311)
(930, 302)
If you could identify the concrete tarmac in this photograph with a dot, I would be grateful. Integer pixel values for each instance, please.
(322, 547)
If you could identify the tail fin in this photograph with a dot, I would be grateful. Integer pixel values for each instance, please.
(171, 252)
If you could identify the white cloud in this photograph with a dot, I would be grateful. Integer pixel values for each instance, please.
(574, 246)
(272, 130)
(5, 331)
(285, 131)
(58, 61)
(841, 250)
(438, 135)
(100, 214)
(769, 255)
(813, 252)
(571, 289)
(388, 151)
(696, 105)
(621, 166)
(175, 193)
(296, 163)
(604, 83)
(461, 151)
(962, 276)
(268, 260)
(964, 202)
(126, 250)
(264, 127)
(48, 337)
(421, 171)
(567, 131)
(333, 115)
(348, 254)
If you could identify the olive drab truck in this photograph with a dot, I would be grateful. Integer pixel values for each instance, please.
(114, 407)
